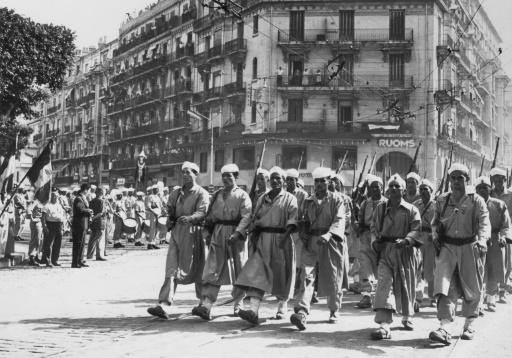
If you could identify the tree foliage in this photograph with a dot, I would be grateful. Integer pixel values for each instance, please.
(8, 130)
(34, 59)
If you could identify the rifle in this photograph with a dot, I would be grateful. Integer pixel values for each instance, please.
(508, 179)
(356, 188)
(300, 160)
(252, 193)
(342, 162)
(365, 184)
(413, 164)
(482, 166)
(441, 185)
(495, 153)
(447, 167)
(322, 163)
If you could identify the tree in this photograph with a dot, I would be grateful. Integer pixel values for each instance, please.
(34, 59)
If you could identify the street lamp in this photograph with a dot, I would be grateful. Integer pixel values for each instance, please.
(200, 116)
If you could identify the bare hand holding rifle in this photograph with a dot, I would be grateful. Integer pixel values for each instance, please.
(252, 193)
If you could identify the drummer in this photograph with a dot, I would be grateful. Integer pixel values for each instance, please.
(139, 209)
(119, 216)
(154, 210)
(128, 204)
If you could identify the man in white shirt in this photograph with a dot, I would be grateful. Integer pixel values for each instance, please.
(53, 217)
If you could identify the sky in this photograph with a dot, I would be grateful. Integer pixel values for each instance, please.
(92, 19)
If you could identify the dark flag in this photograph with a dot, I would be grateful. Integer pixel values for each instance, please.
(7, 170)
(40, 174)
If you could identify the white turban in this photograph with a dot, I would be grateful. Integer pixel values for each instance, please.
(277, 170)
(263, 171)
(428, 183)
(140, 193)
(459, 167)
(191, 166)
(93, 186)
(398, 179)
(482, 180)
(414, 176)
(292, 173)
(230, 168)
(321, 172)
(124, 190)
(497, 171)
(373, 178)
(131, 190)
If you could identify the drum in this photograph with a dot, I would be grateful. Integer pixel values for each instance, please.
(145, 227)
(129, 226)
(122, 215)
(162, 224)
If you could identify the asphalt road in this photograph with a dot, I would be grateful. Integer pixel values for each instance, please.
(100, 311)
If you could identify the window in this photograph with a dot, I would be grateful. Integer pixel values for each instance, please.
(293, 156)
(295, 107)
(244, 158)
(347, 25)
(396, 70)
(219, 160)
(254, 68)
(254, 112)
(344, 119)
(397, 25)
(255, 24)
(203, 162)
(338, 153)
(296, 25)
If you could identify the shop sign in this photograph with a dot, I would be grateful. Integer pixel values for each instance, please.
(397, 143)
(120, 181)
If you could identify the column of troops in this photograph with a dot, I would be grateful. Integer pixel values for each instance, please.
(397, 241)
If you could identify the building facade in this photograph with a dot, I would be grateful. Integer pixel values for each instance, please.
(329, 83)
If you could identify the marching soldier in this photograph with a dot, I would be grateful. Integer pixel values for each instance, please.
(139, 208)
(460, 231)
(271, 267)
(323, 256)
(262, 182)
(119, 215)
(129, 202)
(185, 259)
(292, 176)
(396, 228)
(226, 221)
(20, 208)
(426, 206)
(411, 194)
(498, 178)
(495, 268)
(368, 256)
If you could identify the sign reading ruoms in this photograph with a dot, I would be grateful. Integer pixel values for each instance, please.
(397, 143)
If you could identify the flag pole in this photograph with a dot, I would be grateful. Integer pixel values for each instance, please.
(22, 180)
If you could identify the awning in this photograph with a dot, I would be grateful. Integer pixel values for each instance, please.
(389, 127)
(61, 168)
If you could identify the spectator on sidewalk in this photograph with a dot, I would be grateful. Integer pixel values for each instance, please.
(80, 224)
(20, 206)
(6, 232)
(35, 214)
(98, 225)
(52, 219)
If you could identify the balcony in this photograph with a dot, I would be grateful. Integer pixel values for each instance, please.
(350, 82)
(174, 156)
(151, 128)
(53, 109)
(215, 53)
(82, 100)
(91, 96)
(181, 120)
(181, 88)
(38, 137)
(67, 129)
(334, 128)
(78, 129)
(65, 155)
(182, 54)
(235, 89)
(147, 66)
(70, 103)
(119, 77)
(236, 50)
(117, 134)
(161, 28)
(213, 94)
(147, 97)
(114, 108)
(334, 36)
(463, 64)
(462, 138)
(207, 21)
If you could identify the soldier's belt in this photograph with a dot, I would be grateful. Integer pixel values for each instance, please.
(318, 232)
(459, 241)
(389, 239)
(272, 230)
(495, 231)
(426, 229)
(228, 222)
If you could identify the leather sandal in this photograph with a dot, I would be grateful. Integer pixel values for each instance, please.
(380, 334)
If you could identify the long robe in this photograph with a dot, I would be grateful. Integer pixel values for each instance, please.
(224, 262)
(470, 217)
(427, 249)
(495, 265)
(154, 210)
(507, 198)
(331, 258)
(270, 268)
(397, 270)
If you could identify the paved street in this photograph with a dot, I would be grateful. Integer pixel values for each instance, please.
(100, 311)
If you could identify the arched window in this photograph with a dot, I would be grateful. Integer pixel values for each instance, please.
(254, 68)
